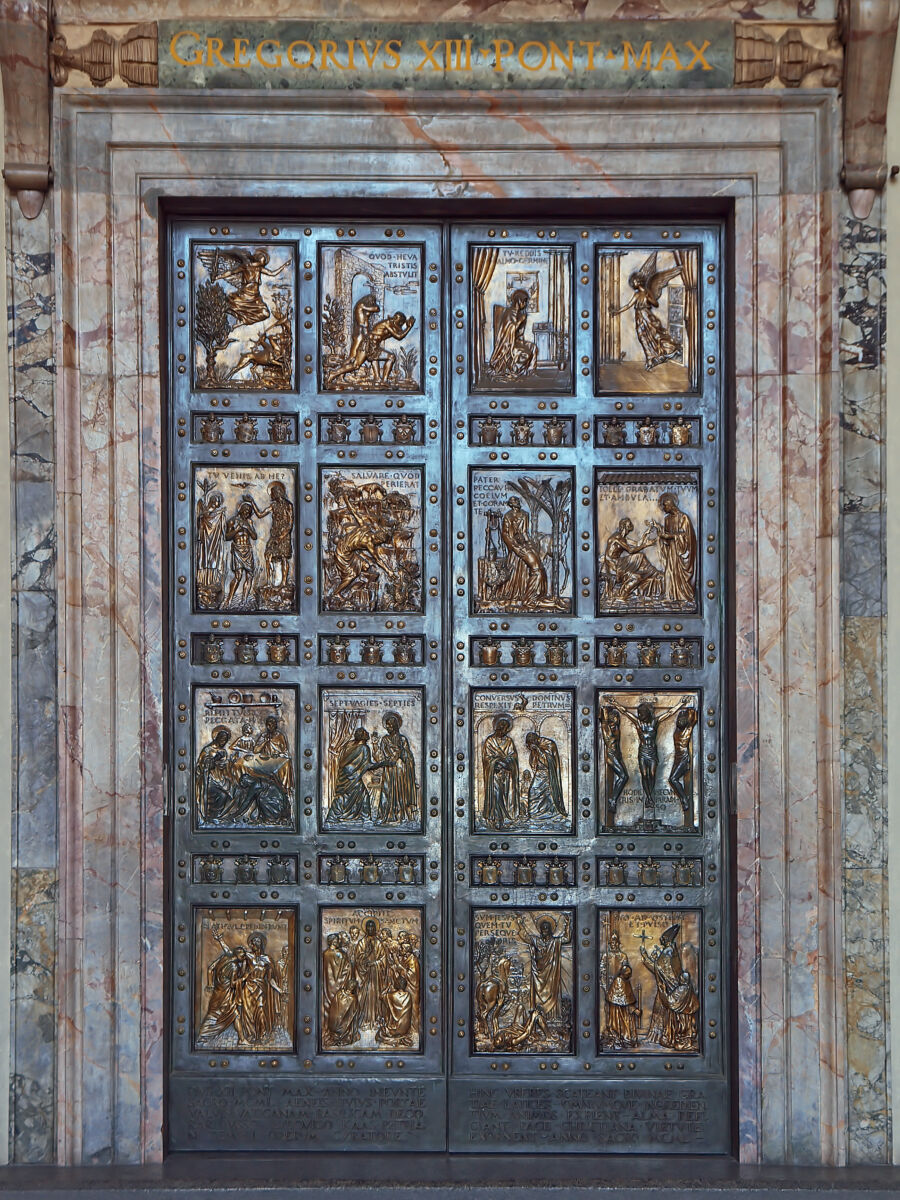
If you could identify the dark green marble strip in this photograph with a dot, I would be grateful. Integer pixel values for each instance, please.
(575, 55)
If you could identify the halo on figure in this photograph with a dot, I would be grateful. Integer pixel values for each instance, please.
(540, 918)
(388, 715)
(502, 716)
(256, 936)
(217, 729)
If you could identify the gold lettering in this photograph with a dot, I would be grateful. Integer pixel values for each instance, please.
(329, 52)
(241, 46)
(568, 61)
(499, 54)
(392, 48)
(302, 66)
(643, 60)
(668, 55)
(453, 54)
(370, 58)
(429, 56)
(350, 45)
(214, 47)
(526, 66)
(198, 53)
(698, 54)
(259, 53)
(590, 49)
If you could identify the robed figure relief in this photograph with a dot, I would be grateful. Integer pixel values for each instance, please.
(500, 765)
(674, 1020)
(371, 979)
(248, 994)
(621, 1008)
(523, 971)
(647, 285)
(654, 570)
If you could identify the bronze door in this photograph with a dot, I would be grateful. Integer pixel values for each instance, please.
(448, 859)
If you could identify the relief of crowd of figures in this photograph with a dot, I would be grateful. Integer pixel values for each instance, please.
(371, 323)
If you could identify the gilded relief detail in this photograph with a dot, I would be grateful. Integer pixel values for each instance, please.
(372, 539)
(370, 321)
(244, 771)
(521, 524)
(371, 979)
(244, 989)
(522, 963)
(372, 759)
(648, 972)
(522, 765)
(647, 538)
(243, 317)
(244, 539)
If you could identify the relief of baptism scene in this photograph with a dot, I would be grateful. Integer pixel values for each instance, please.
(647, 328)
(523, 972)
(521, 318)
(244, 539)
(371, 523)
(243, 317)
(371, 979)
(521, 527)
(647, 541)
(370, 323)
(522, 765)
(648, 977)
(244, 991)
(244, 773)
(372, 756)
(649, 760)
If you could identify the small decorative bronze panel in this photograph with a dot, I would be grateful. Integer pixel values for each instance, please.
(446, 710)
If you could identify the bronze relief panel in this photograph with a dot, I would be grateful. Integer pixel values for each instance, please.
(647, 539)
(243, 313)
(370, 323)
(649, 974)
(244, 984)
(649, 755)
(371, 539)
(245, 765)
(521, 523)
(371, 979)
(371, 759)
(520, 318)
(244, 539)
(522, 761)
(647, 320)
(523, 999)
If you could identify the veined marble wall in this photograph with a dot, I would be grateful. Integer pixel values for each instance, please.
(809, 805)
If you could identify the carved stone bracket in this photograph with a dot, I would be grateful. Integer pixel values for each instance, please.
(765, 53)
(133, 57)
(24, 26)
(869, 31)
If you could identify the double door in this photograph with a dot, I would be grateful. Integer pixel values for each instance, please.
(448, 860)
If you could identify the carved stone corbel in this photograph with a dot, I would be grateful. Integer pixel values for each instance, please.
(133, 57)
(25, 67)
(868, 31)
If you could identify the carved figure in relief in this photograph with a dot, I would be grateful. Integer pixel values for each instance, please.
(398, 799)
(646, 720)
(621, 1009)
(241, 533)
(627, 570)
(616, 772)
(371, 988)
(545, 948)
(647, 285)
(350, 800)
(339, 991)
(500, 764)
(513, 355)
(248, 994)
(526, 584)
(250, 781)
(678, 546)
(681, 774)
(244, 271)
(674, 1021)
(210, 545)
(214, 779)
(545, 794)
(367, 344)
(273, 744)
(370, 562)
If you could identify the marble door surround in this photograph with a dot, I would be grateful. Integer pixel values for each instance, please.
(768, 158)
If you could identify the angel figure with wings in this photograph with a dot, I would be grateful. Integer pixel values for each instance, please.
(647, 286)
(244, 271)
